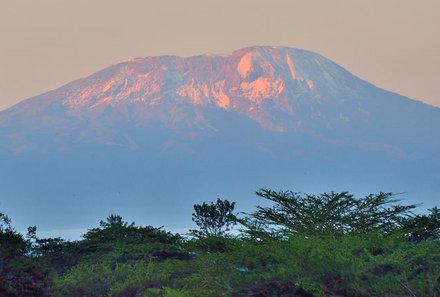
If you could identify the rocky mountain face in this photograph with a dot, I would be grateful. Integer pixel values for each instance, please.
(165, 132)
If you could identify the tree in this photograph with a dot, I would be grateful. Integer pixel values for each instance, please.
(114, 220)
(19, 274)
(11, 242)
(379, 212)
(328, 213)
(5, 223)
(115, 229)
(423, 227)
(214, 219)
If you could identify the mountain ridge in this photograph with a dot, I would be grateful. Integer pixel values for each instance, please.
(271, 85)
(249, 48)
(206, 126)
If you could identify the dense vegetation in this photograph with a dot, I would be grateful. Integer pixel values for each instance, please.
(331, 244)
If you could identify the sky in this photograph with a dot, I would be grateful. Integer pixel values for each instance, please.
(45, 44)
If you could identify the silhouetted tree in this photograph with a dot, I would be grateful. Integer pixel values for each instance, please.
(116, 229)
(214, 219)
(5, 223)
(20, 275)
(378, 212)
(114, 220)
(423, 227)
(328, 213)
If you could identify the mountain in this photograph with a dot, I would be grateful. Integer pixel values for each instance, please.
(149, 137)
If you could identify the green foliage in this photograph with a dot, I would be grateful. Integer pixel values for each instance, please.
(114, 220)
(351, 265)
(115, 229)
(20, 276)
(214, 219)
(304, 245)
(115, 259)
(423, 227)
(5, 223)
(212, 244)
(104, 279)
(328, 213)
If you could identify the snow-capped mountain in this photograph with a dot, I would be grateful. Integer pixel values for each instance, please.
(211, 125)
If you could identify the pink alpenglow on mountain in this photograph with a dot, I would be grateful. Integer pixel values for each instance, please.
(156, 133)
(257, 82)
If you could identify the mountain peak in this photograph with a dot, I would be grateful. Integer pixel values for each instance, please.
(280, 88)
(242, 81)
(149, 133)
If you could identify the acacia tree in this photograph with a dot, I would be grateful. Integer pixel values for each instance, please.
(328, 213)
(214, 219)
(423, 227)
(378, 212)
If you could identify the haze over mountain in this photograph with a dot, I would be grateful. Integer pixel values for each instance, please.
(149, 137)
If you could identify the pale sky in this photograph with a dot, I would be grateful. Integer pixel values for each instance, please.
(45, 44)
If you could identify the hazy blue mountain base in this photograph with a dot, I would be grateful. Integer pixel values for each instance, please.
(149, 185)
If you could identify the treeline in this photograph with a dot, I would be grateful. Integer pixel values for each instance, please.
(332, 244)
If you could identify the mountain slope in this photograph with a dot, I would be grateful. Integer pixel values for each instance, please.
(168, 131)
